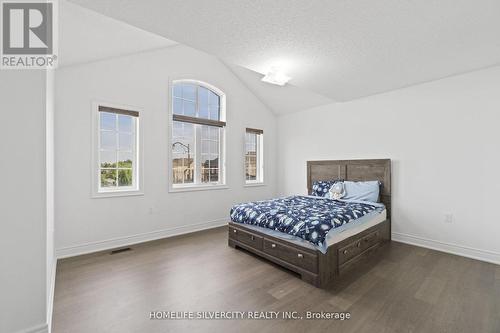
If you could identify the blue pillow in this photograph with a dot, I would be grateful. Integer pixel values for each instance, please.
(320, 188)
(362, 191)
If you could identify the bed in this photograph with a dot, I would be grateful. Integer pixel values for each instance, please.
(318, 257)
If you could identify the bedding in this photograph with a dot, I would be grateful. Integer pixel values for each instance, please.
(334, 236)
(320, 188)
(307, 217)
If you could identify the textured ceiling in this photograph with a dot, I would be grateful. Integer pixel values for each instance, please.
(86, 36)
(281, 100)
(341, 49)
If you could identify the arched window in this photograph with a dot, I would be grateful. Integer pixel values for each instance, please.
(198, 125)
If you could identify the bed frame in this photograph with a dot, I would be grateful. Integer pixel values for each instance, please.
(313, 266)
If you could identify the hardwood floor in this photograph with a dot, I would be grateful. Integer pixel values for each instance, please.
(400, 288)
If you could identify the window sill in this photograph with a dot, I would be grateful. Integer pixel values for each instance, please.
(115, 194)
(197, 188)
(254, 184)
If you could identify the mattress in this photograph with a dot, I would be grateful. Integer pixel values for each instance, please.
(308, 217)
(334, 236)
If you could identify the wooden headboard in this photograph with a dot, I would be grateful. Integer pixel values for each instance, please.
(354, 170)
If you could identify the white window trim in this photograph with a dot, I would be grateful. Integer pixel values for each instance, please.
(139, 172)
(260, 163)
(173, 188)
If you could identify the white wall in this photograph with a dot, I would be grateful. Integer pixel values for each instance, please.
(49, 190)
(443, 139)
(84, 224)
(23, 288)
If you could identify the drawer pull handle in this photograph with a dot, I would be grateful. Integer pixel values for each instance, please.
(273, 245)
(252, 237)
(359, 244)
(300, 255)
(345, 251)
(234, 231)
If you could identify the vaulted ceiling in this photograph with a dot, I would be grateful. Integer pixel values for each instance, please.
(86, 36)
(339, 49)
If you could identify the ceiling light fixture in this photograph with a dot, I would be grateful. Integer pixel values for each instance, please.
(275, 76)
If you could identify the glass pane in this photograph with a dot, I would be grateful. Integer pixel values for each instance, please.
(108, 140)
(177, 106)
(177, 90)
(213, 99)
(108, 178)
(213, 112)
(251, 143)
(189, 108)
(183, 153)
(125, 177)
(214, 161)
(177, 129)
(125, 159)
(203, 111)
(205, 175)
(107, 121)
(189, 92)
(125, 123)
(189, 132)
(202, 96)
(214, 147)
(108, 159)
(126, 141)
(205, 161)
(251, 156)
(183, 147)
(182, 169)
(214, 175)
(214, 133)
(205, 146)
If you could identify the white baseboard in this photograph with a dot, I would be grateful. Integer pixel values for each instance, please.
(42, 328)
(91, 247)
(50, 305)
(464, 251)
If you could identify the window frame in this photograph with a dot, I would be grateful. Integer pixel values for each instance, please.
(137, 188)
(222, 184)
(259, 181)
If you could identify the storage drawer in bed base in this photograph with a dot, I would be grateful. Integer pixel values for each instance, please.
(314, 267)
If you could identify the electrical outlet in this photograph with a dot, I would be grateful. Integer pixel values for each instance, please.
(448, 218)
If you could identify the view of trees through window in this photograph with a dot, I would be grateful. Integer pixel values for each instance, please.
(116, 150)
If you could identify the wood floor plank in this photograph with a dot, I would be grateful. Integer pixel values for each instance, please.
(430, 290)
(401, 288)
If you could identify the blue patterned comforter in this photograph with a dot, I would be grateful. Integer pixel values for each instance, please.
(306, 217)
